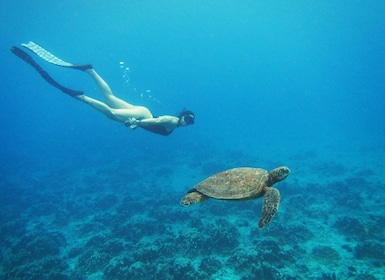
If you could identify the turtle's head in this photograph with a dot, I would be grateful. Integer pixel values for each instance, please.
(277, 175)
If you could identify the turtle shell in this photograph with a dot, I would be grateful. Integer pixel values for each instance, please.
(237, 183)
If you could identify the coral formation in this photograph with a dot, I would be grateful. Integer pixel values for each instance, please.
(325, 254)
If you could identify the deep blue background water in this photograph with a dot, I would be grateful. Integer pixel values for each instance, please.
(271, 78)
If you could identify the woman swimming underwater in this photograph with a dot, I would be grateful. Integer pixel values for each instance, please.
(132, 116)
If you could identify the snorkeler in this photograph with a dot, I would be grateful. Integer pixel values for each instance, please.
(114, 108)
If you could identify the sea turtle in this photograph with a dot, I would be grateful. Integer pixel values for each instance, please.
(242, 183)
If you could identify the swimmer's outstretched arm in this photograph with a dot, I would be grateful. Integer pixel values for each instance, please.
(162, 120)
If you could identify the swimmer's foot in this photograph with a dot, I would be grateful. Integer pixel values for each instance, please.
(83, 67)
(79, 97)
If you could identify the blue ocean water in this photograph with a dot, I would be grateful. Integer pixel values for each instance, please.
(296, 83)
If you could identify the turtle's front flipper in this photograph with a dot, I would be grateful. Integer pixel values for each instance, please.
(270, 206)
(193, 197)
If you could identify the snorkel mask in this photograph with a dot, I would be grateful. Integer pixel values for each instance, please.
(188, 117)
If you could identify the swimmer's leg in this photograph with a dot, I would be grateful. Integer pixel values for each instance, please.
(119, 115)
(111, 99)
(101, 107)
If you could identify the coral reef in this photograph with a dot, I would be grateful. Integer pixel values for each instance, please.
(370, 250)
(325, 254)
(351, 227)
(115, 227)
(209, 265)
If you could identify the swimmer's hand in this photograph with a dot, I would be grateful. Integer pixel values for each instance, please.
(132, 123)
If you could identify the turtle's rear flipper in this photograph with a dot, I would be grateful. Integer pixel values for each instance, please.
(269, 207)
